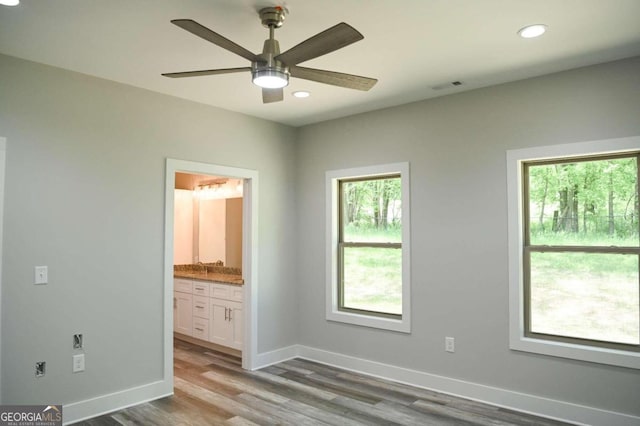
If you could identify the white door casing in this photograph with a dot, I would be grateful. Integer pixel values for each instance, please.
(248, 320)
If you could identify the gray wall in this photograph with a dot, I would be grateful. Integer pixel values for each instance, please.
(456, 146)
(85, 196)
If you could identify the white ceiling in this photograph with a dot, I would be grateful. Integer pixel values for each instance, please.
(409, 45)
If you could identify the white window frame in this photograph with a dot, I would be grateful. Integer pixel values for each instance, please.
(332, 222)
(517, 339)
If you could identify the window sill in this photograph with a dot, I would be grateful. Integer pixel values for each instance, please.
(401, 325)
(578, 352)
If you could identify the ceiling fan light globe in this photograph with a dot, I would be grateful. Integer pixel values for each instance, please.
(270, 79)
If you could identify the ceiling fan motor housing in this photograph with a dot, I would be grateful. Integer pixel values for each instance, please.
(268, 66)
(269, 70)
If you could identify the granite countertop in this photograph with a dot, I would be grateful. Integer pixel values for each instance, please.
(211, 272)
(210, 276)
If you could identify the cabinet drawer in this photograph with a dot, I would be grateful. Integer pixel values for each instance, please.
(182, 285)
(200, 307)
(201, 289)
(201, 328)
(227, 292)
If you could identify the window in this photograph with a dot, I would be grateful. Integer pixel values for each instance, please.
(575, 290)
(368, 246)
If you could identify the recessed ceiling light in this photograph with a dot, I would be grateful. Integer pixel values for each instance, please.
(9, 2)
(531, 31)
(301, 94)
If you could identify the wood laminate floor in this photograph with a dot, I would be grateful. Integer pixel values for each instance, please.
(212, 389)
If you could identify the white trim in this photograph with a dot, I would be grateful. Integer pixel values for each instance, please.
(517, 340)
(525, 403)
(3, 149)
(517, 401)
(331, 295)
(249, 257)
(266, 359)
(93, 407)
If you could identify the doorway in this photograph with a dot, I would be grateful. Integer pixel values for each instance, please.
(249, 187)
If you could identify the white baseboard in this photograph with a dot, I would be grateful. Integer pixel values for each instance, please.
(104, 404)
(83, 410)
(266, 359)
(544, 407)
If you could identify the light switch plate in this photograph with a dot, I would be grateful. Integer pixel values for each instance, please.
(78, 363)
(42, 275)
(449, 344)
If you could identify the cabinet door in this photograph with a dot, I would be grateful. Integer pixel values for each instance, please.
(236, 323)
(219, 325)
(183, 313)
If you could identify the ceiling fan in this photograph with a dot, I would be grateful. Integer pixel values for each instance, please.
(271, 69)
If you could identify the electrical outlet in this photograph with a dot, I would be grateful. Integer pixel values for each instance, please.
(449, 344)
(78, 363)
(77, 341)
(41, 367)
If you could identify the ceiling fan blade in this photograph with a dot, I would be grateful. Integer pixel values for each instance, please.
(203, 32)
(329, 40)
(205, 72)
(272, 95)
(349, 81)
